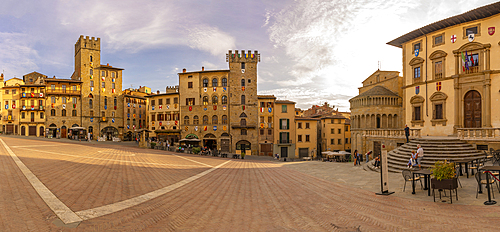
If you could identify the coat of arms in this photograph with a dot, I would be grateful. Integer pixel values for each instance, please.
(491, 30)
(416, 52)
(417, 90)
(438, 86)
(471, 37)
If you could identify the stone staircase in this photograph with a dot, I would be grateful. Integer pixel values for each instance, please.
(435, 149)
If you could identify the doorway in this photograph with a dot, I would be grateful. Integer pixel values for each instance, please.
(472, 109)
(63, 132)
(210, 143)
(376, 148)
(284, 152)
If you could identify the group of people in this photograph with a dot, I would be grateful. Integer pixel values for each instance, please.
(416, 157)
(358, 158)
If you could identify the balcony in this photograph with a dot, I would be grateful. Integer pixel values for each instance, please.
(32, 95)
(62, 92)
(284, 141)
(438, 76)
(473, 69)
(35, 108)
(8, 118)
(239, 126)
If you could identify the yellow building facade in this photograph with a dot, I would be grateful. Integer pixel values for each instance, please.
(164, 115)
(284, 121)
(266, 124)
(335, 133)
(306, 138)
(63, 106)
(450, 74)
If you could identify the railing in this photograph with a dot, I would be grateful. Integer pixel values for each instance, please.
(478, 133)
(393, 133)
(438, 75)
(62, 91)
(473, 69)
(7, 118)
(284, 141)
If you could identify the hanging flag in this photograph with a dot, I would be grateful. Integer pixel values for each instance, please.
(153, 107)
(74, 105)
(112, 90)
(168, 107)
(262, 125)
(416, 52)
(205, 89)
(102, 78)
(270, 109)
(196, 128)
(176, 122)
(91, 88)
(466, 60)
(91, 76)
(6, 106)
(134, 115)
(417, 90)
(224, 128)
(215, 89)
(105, 107)
(262, 109)
(190, 108)
(113, 120)
(453, 38)
(243, 107)
(186, 128)
(14, 106)
(128, 104)
(215, 107)
(242, 88)
(128, 126)
(438, 86)
(32, 107)
(103, 90)
(159, 123)
(223, 107)
(205, 128)
(472, 60)
(175, 106)
(52, 105)
(224, 89)
(91, 119)
(205, 109)
(215, 128)
(471, 37)
(64, 106)
(24, 94)
(128, 115)
(159, 107)
(463, 62)
(40, 94)
(115, 107)
(24, 107)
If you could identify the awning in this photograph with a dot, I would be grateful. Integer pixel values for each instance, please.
(52, 127)
(77, 128)
(189, 140)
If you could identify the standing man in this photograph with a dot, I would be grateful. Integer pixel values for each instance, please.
(420, 155)
(407, 133)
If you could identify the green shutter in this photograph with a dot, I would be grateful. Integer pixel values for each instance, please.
(288, 124)
(280, 124)
(287, 137)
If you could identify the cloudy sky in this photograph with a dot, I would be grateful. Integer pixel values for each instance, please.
(312, 51)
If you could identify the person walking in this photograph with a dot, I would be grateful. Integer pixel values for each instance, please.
(368, 156)
(355, 157)
(407, 133)
(420, 156)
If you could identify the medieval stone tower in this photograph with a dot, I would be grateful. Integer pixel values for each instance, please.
(101, 87)
(243, 103)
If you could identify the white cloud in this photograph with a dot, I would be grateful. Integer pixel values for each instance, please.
(18, 56)
(210, 39)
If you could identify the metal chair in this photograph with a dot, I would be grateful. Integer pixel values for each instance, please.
(481, 179)
(457, 174)
(407, 175)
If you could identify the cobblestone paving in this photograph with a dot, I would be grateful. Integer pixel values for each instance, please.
(242, 195)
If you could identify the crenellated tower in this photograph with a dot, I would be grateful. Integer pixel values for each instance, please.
(243, 107)
(87, 56)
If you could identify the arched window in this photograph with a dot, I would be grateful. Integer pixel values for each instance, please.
(205, 100)
(90, 58)
(128, 121)
(224, 99)
(243, 99)
(242, 82)
(224, 81)
(215, 120)
(205, 120)
(90, 103)
(115, 101)
(73, 113)
(91, 72)
(214, 82)
(105, 101)
(215, 100)
(195, 120)
(205, 82)
(63, 112)
(243, 122)
(224, 119)
(52, 112)
(186, 120)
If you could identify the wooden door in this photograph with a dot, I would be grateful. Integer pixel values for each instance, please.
(63, 132)
(23, 130)
(472, 109)
(225, 144)
(376, 148)
(32, 130)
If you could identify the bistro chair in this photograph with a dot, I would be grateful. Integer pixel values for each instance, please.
(407, 175)
(457, 174)
(475, 165)
(481, 180)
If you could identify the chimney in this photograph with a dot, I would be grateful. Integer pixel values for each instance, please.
(157, 91)
(202, 68)
(183, 70)
(107, 64)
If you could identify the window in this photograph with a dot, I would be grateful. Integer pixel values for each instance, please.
(214, 82)
(346, 128)
(23, 115)
(160, 101)
(438, 70)
(438, 61)
(190, 85)
(471, 30)
(416, 72)
(176, 100)
(242, 82)
(307, 125)
(224, 81)
(167, 101)
(52, 87)
(299, 125)
(340, 131)
(283, 109)
(74, 100)
(205, 120)
(332, 141)
(215, 119)
(13, 91)
(73, 113)
(438, 100)
(299, 138)
(195, 120)
(243, 132)
(339, 141)
(113, 74)
(73, 87)
(205, 100)
(91, 83)
(472, 61)
(190, 76)
(103, 85)
(224, 99)
(215, 100)
(52, 112)
(115, 101)
(152, 102)
(103, 73)
(284, 124)
(103, 114)
(346, 140)
(332, 131)
(7, 91)
(91, 70)
(91, 113)
(243, 65)
(243, 99)
(64, 100)
(416, 47)
(307, 138)
(243, 122)
(262, 119)
(41, 115)
(205, 82)
(186, 120)
(261, 131)
(249, 80)
(269, 131)
(224, 119)
(416, 113)
(438, 40)
(63, 112)
(262, 104)
(90, 104)
(189, 101)
(112, 85)
(105, 101)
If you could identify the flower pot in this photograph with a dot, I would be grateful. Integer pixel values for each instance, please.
(444, 184)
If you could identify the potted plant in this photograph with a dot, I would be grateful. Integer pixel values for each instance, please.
(153, 145)
(443, 175)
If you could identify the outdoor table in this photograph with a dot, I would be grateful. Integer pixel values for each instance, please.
(488, 168)
(427, 178)
(466, 164)
(336, 156)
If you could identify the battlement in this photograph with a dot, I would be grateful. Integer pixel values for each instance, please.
(172, 89)
(88, 42)
(247, 57)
